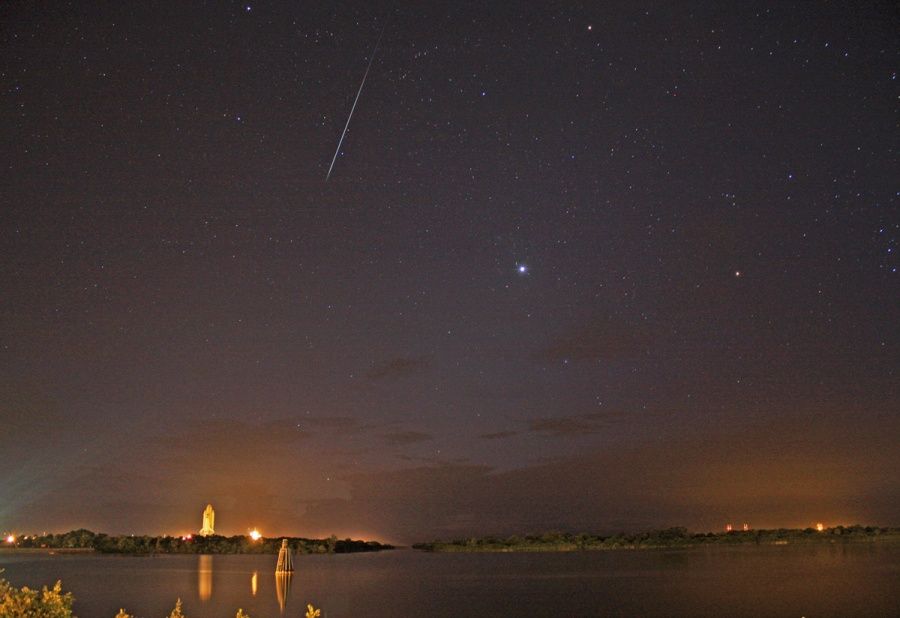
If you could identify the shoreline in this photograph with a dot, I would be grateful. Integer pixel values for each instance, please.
(449, 549)
(82, 540)
(675, 538)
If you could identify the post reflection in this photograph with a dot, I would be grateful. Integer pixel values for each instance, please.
(253, 587)
(283, 588)
(204, 577)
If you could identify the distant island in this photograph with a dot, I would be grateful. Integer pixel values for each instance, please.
(670, 537)
(86, 540)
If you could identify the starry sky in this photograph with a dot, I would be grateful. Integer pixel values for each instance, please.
(578, 266)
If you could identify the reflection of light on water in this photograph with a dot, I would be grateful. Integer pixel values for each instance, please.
(283, 588)
(253, 583)
(204, 577)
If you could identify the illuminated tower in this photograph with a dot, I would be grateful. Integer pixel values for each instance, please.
(209, 520)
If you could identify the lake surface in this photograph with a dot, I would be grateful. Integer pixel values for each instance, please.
(860, 579)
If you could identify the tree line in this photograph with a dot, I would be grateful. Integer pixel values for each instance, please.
(213, 544)
(668, 537)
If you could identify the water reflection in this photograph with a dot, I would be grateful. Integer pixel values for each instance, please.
(204, 577)
(283, 588)
(851, 579)
(253, 583)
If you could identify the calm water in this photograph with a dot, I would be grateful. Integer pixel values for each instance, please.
(814, 581)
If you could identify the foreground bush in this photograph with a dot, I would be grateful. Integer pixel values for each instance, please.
(27, 603)
(54, 603)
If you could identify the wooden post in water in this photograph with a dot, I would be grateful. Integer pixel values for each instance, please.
(284, 570)
(284, 564)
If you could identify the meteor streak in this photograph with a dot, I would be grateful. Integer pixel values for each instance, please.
(352, 109)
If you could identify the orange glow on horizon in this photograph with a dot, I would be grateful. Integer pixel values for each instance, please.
(255, 535)
(820, 527)
(11, 539)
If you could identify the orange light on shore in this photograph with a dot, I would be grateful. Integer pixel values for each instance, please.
(820, 527)
(11, 539)
(255, 535)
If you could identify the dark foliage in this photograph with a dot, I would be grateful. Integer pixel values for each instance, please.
(215, 544)
(669, 537)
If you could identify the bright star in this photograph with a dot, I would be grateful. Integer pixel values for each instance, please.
(522, 268)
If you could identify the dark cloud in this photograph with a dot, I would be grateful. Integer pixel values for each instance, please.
(398, 368)
(228, 444)
(344, 425)
(608, 416)
(498, 435)
(601, 338)
(401, 438)
(563, 426)
(581, 424)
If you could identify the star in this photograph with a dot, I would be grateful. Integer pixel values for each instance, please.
(522, 269)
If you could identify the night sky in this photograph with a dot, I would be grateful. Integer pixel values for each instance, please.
(587, 266)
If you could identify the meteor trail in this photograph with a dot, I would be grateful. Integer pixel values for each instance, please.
(352, 109)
